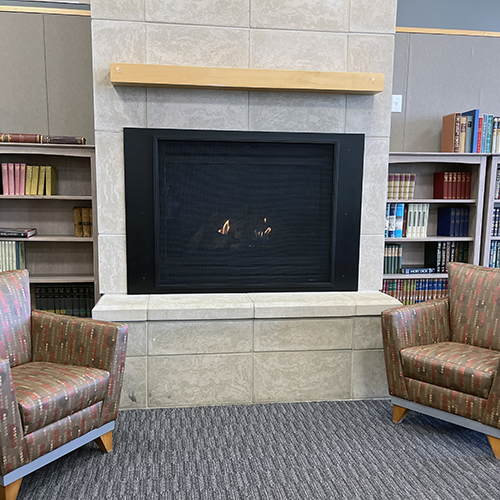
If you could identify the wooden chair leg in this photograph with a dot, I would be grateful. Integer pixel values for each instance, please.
(10, 491)
(495, 446)
(105, 442)
(399, 413)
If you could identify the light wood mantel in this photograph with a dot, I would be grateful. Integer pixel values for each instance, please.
(151, 75)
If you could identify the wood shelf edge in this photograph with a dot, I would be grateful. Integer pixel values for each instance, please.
(151, 75)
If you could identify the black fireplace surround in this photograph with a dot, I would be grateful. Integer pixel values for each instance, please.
(230, 211)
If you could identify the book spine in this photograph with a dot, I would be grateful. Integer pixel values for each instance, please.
(479, 134)
(398, 228)
(463, 134)
(11, 178)
(77, 221)
(31, 138)
(62, 139)
(86, 221)
(5, 179)
(22, 181)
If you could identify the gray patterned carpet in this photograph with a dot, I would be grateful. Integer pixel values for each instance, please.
(331, 450)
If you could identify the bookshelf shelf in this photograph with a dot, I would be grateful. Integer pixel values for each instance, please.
(54, 255)
(491, 203)
(418, 252)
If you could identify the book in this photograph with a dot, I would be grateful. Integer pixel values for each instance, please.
(11, 178)
(42, 139)
(417, 270)
(50, 181)
(41, 181)
(463, 134)
(22, 179)
(474, 116)
(488, 134)
(483, 133)
(86, 221)
(5, 179)
(398, 224)
(17, 178)
(446, 221)
(479, 134)
(468, 134)
(15, 232)
(34, 180)
(29, 173)
(442, 183)
(77, 221)
(450, 133)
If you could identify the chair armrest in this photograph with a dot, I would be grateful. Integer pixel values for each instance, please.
(407, 326)
(13, 451)
(84, 342)
(491, 413)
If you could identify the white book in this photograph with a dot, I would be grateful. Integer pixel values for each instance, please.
(418, 225)
(3, 266)
(410, 220)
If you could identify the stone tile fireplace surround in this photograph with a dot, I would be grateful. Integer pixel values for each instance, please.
(244, 348)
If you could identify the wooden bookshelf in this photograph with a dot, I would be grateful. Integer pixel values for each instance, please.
(55, 254)
(490, 203)
(424, 165)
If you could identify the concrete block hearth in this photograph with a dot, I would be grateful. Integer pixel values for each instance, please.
(209, 349)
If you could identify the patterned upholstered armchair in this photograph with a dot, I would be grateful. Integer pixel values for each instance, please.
(442, 356)
(60, 383)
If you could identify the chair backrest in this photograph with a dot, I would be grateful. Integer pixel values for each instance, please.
(474, 294)
(15, 317)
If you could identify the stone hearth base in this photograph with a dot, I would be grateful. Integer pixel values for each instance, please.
(211, 349)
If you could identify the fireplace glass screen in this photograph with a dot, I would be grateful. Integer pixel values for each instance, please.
(244, 213)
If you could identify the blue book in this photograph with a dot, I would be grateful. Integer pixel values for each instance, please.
(398, 227)
(474, 113)
(387, 215)
(485, 128)
(466, 221)
(392, 220)
(446, 221)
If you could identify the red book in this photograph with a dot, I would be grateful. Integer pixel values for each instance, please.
(20, 138)
(22, 179)
(11, 178)
(479, 133)
(454, 186)
(5, 179)
(17, 177)
(442, 183)
(468, 177)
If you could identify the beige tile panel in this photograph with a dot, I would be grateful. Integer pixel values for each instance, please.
(295, 50)
(372, 303)
(125, 10)
(373, 16)
(302, 376)
(117, 107)
(316, 15)
(199, 306)
(374, 198)
(302, 334)
(207, 12)
(371, 262)
(137, 342)
(197, 46)
(199, 380)
(121, 307)
(199, 337)
(197, 109)
(111, 183)
(367, 332)
(112, 264)
(369, 379)
(134, 390)
(297, 112)
(302, 305)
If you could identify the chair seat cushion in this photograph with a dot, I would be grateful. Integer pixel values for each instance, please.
(48, 392)
(460, 367)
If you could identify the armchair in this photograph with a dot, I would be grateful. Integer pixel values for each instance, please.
(442, 356)
(60, 383)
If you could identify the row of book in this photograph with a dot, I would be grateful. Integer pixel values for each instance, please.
(495, 254)
(393, 262)
(406, 220)
(12, 255)
(437, 254)
(497, 185)
(413, 291)
(470, 132)
(28, 180)
(74, 299)
(452, 185)
(401, 186)
(495, 222)
(82, 221)
(453, 221)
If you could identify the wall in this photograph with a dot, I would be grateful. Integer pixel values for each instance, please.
(341, 35)
(46, 84)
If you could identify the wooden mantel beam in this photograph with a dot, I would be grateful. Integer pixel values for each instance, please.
(152, 75)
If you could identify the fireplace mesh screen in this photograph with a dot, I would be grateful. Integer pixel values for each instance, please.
(243, 213)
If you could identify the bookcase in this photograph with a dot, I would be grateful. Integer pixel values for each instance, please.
(55, 255)
(414, 249)
(490, 255)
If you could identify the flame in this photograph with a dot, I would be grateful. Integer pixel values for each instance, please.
(267, 231)
(225, 228)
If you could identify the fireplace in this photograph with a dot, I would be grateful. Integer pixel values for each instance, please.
(231, 211)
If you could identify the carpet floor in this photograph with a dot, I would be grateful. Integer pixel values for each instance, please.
(303, 451)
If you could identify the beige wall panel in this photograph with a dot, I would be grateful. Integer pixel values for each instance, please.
(69, 76)
(23, 100)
